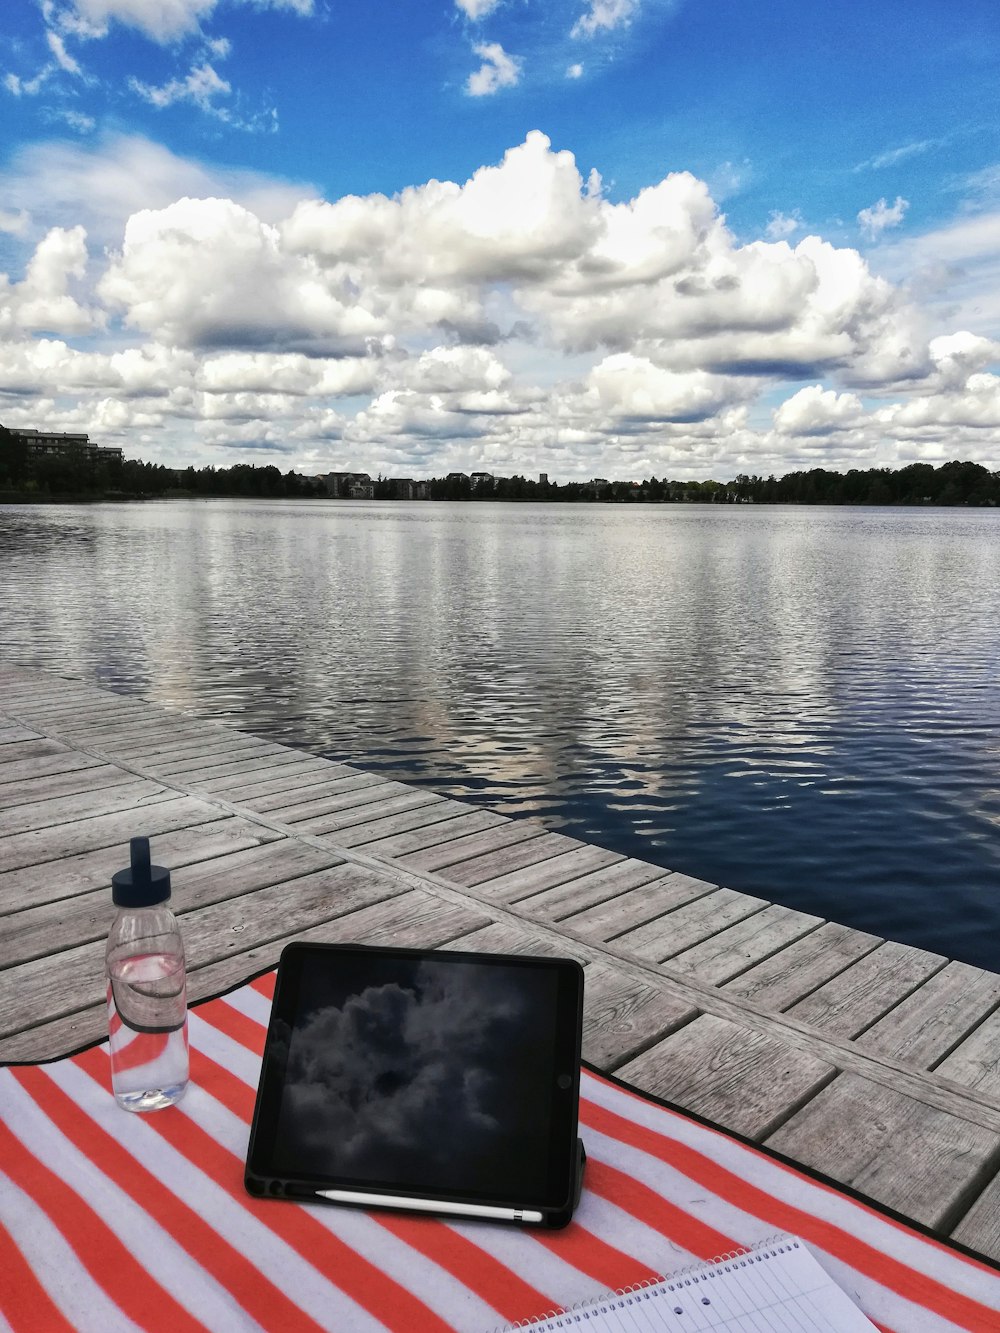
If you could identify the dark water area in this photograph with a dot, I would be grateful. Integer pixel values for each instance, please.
(801, 703)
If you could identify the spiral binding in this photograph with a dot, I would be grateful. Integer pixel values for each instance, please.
(684, 1277)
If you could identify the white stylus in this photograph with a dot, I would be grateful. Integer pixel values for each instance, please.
(432, 1205)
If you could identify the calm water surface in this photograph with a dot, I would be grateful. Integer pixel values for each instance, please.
(800, 703)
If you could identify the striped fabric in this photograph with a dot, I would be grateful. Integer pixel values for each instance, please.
(113, 1221)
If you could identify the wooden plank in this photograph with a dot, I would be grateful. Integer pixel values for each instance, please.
(980, 1227)
(300, 776)
(109, 830)
(802, 967)
(512, 937)
(907, 1155)
(445, 830)
(512, 857)
(85, 871)
(133, 795)
(975, 1062)
(698, 920)
(227, 758)
(732, 951)
(342, 794)
(365, 815)
(47, 928)
(623, 1017)
(23, 751)
(28, 770)
(375, 830)
(740, 1078)
(564, 900)
(516, 885)
(37, 991)
(32, 791)
(12, 734)
(414, 920)
(648, 902)
(934, 1019)
(858, 997)
(446, 854)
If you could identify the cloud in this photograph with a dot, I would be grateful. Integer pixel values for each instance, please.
(605, 16)
(498, 70)
(875, 220)
(160, 20)
(63, 59)
(892, 156)
(517, 320)
(574, 71)
(42, 300)
(782, 225)
(201, 86)
(476, 9)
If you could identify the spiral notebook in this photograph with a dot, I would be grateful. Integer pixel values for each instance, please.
(778, 1287)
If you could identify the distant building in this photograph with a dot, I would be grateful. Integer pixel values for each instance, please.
(480, 479)
(405, 488)
(348, 485)
(543, 478)
(61, 444)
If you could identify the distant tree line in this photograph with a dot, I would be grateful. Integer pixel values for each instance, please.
(77, 475)
(916, 484)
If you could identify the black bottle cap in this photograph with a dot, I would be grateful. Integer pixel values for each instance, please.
(142, 884)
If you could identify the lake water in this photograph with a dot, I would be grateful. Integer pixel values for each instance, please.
(802, 703)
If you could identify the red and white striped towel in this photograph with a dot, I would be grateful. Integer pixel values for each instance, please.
(113, 1221)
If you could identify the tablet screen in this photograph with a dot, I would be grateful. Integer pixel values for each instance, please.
(420, 1073)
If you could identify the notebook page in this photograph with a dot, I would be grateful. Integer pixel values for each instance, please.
(779, 1289)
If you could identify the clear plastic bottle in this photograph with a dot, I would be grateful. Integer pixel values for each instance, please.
(147, 990)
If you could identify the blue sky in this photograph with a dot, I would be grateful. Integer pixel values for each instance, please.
(587, 237)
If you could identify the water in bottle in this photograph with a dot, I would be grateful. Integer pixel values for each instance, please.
(147, 993)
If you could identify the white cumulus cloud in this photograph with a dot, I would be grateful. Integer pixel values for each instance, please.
(498, 70)
(605, 15)
(877, 219)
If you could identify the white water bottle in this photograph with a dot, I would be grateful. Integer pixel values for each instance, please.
(147, 990)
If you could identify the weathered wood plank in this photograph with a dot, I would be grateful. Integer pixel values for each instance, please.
(934, 1019)
(975, 1062)
(732, 951)
(513, 857)
(341, 794)
(707, 915)
(623, 1017)
(135, 794)
(50, 927)
(919, 1160)
(512, 937)
(226, 759)
(167, 744)
(517, 884)
(109, 830)
(858, 997)
(422, 816)
(32, 770)
(465, 848)
(732, 1075)
(32, 791)
(564, 900)
(23, 751)
(36, 992)
(803, 966)
(12, 734)
(54, 880)
(607, 920)
(980, 1227)
(445, 830)
(368, 813)
(300, 774)
(291, 784)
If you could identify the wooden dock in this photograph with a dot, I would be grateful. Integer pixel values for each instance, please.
(873, 1062)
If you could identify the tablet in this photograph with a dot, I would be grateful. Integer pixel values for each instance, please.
(434, 1081)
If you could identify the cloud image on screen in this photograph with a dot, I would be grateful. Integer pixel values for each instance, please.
(433, 1077)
